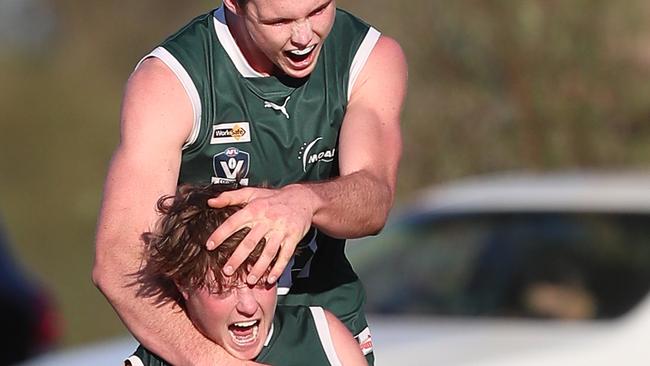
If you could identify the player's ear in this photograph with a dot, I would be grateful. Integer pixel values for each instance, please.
(233, 6)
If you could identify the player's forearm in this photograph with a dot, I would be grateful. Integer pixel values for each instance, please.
(350, 206)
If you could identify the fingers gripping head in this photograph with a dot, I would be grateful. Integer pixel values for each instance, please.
(175, 255)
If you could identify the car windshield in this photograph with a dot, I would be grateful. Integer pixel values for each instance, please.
(532, 265)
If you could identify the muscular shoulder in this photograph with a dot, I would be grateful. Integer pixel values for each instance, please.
(388, 47)
(155, 77)
(386, 62)
(155, 103)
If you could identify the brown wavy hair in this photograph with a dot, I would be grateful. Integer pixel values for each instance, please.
(175, 256)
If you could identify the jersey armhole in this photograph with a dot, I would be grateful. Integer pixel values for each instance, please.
(361, 57)
(177, 68)
(324, 334)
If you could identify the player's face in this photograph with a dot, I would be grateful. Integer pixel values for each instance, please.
(290, 33)
(238, 319)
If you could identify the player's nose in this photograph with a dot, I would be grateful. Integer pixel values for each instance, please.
(301, 33)
(246, 302)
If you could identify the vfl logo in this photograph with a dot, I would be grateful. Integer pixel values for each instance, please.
(228, 133)
(282, 108)
(304, 155)
(229, 165)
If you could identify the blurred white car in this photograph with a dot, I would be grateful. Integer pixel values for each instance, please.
(514, 270)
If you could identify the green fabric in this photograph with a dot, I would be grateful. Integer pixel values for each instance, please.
(294, 342)
(275, 131)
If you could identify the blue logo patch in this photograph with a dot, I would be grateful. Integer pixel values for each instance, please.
(229, 165)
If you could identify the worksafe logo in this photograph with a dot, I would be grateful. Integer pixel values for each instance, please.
(311, 154)
(230, 133)
(230, 165)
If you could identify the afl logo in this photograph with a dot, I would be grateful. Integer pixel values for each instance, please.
(230, 165)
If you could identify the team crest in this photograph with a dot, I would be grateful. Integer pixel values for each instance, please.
(230, 165)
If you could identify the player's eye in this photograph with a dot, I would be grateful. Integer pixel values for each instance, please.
(278, 22)
(319, 10)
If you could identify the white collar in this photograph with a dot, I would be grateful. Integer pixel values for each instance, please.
(268, 338)
(228, 43)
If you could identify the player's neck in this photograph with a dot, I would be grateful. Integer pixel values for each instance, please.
(256, 59)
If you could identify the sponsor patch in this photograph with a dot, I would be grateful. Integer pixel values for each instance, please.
(311, 154)
(230, 133)
(365, 341)
(229, 165)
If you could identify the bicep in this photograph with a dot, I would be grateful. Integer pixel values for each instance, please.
(370, 136)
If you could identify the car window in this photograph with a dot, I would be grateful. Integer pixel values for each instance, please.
(533, 265)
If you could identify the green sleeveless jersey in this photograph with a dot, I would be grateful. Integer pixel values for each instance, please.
(273, 131)
(299, 336)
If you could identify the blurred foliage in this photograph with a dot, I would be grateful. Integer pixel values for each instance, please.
(494, 85)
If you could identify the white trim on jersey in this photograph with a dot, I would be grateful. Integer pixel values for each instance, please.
(134, 360)
(361, 57)
(283, 290)
(324, 334)
(185, 79)
(228, 43)
(269, 336)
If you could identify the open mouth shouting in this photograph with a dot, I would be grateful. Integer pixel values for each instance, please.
(301, 58)
(244, 333)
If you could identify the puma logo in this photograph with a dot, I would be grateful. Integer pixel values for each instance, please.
(282, 108)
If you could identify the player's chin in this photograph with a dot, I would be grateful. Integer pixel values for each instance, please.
(298, 73)
(245, 353)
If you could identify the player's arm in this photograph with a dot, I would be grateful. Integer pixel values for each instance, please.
(156, 120)
(370, 146)
(346, 347)
(353, 205)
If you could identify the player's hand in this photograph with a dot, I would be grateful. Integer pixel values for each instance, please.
(281, 216)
